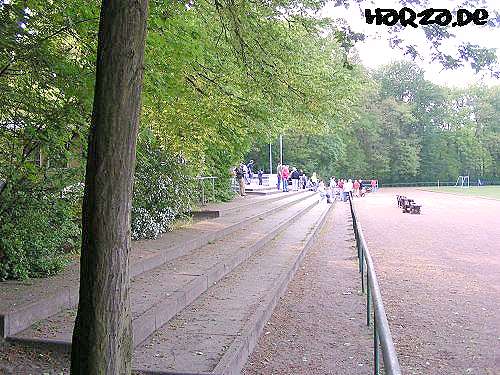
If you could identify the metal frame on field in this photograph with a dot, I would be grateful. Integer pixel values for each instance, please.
(382, 338)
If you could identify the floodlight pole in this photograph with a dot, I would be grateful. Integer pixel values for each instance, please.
(281, 149)
(270, 159)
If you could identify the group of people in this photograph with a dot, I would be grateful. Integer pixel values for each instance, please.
(344, 188)
(286, 174)
(244, 175)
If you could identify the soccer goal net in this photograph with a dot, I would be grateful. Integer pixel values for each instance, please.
(463, 181)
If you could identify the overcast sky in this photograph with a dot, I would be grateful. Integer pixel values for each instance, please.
(375, 51)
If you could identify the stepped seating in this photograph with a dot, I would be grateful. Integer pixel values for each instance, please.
(215, 210)
(199, 307)
(27, 302)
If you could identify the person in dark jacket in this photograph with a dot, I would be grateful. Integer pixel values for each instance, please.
(250, 166)
(295, 179)
(260, 175)
(240, 174)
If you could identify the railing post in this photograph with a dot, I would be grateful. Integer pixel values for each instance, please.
(202, 192)
(213, 189)
(368, 307)
(376, 360)
(362, 272)
(358, 245)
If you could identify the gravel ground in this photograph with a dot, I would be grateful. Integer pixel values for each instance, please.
(439, 274)
(318, 327)
(20, 360)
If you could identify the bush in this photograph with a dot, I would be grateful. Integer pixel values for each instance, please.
(163, 190)
(37, 230)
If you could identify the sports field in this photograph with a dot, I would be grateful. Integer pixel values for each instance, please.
(439, 278)
(475, 191)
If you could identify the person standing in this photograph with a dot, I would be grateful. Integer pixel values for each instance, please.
(240, 175)
(250, 170)
(279, 169)
(348, 189)
(356, 186)
(321, 190)
(245, 171)
(373, 184)
(285, 173)
(314, 180)
(340, 185)
(295, 179)
(302, 179)
(332, 186)
(260, 175)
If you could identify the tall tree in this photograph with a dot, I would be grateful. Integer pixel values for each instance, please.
(102, 338)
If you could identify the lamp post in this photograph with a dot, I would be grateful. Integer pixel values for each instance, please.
(270, 160)
(281, 149)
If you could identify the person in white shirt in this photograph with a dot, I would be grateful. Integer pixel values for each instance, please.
(348, 186)
(333, 185)
(321, 190)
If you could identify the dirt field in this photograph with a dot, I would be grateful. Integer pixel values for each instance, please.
(440, 279)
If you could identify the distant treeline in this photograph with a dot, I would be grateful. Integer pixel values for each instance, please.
(407, 129)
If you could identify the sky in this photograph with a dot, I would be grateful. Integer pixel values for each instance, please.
(375, 50)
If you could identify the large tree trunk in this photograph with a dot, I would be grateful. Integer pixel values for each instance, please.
(102, 338)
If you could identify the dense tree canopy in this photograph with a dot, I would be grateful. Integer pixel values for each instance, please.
(407, 129)
(218, 77)
(222, 80)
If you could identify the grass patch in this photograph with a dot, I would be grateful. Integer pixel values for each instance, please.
(473, 191)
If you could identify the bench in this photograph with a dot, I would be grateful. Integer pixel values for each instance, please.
(408, 205)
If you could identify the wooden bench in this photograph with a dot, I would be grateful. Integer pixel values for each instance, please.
(415, 209)
(408, 205)
(400, 200)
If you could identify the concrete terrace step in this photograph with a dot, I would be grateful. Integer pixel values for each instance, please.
(157, 295)
(25, 303)
(259, 187)
(215, 210)
(269, 191)
(217, 332)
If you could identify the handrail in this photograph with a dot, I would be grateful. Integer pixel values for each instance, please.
(381, 331)
(201, 179)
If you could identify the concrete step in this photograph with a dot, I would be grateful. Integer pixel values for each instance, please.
(320, 312)
(271, 191)
(217, 332)
(222, 209)
(157, 295)
(25, 303)
(254, 187)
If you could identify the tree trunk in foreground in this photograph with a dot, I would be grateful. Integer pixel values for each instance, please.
(102, 338)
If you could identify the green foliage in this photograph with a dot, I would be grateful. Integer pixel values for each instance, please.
(46, 83)
(406, 129)
(414, 130)
(163, 189)
(38, 230)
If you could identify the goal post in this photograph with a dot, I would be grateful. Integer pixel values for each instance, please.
(463, 182)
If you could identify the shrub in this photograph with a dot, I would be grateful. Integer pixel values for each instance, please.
(163, 190)
(37, 230)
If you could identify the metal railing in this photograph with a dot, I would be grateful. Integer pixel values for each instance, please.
(420, 183)
(201, 181)
(436, 183)
(382, 338)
